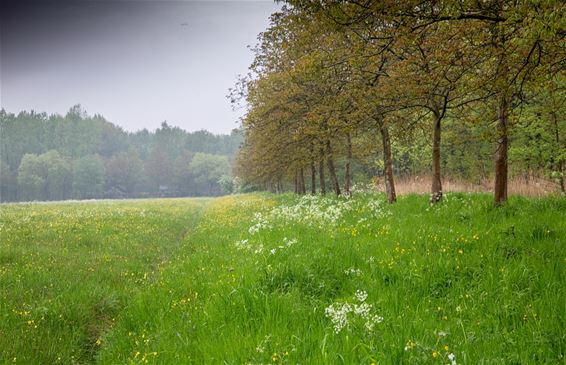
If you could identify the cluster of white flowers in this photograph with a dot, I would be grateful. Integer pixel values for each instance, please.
(361, 295)
(313, 210)
(286, 243)
(341, 314)
(245, 244)
(242, 245)
(377, 208)
(261, 223)
(353, 272)
(338, 314)
(371, 322)
(319, 211)
(289, 242)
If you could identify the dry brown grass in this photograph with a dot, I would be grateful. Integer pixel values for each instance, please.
(525, 186)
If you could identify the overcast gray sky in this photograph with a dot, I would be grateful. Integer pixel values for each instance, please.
(137, 63)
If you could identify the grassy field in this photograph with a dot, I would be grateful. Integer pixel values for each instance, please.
(67, 271)
(263, 279)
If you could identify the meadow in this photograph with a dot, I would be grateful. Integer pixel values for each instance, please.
(67, 270)
(270, 279)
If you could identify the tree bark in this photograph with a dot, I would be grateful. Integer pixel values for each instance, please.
(436, 188)
(560, 163)
(347, 177)
(313, 177)
(321, 176)
(332, 169)
(302, 188)
(504, 98)
(502, 145)
(388, 166)
(561, 177)
(313, 169)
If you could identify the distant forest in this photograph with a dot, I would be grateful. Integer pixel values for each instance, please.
(77, 156)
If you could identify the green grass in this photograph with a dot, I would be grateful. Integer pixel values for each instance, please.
(68, 270)
(107, 284)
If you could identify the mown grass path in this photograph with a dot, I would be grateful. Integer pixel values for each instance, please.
(68, 269)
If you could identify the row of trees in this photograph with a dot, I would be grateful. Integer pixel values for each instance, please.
(336, 83)
(77, 156)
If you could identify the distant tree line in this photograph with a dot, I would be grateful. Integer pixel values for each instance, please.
(77, 156)
(475, 89)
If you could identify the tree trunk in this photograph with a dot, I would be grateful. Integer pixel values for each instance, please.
(332, 169)
(502, 145)
(296, 182)
(561, 177)
(313, 169)
(501, 129)
(313, 177)
(560, 164)
(302, 188)
(321, 176)
(436, 189)
(347, 177)
(388, 166)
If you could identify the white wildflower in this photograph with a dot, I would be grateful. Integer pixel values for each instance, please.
(242, 244)
(377, 319)
(342, 313)
(261, 223)
(362, 310)
(361, 295)
(289, 242)
(353, 272)
(338, 314)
